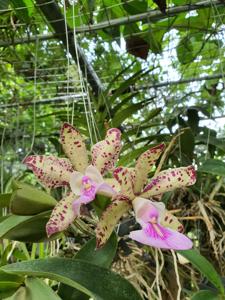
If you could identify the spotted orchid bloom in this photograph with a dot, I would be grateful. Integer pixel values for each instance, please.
(133, 185)
(155, 231)
(84, 179)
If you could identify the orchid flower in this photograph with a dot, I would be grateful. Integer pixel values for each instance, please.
(155, 231)
(85, 180)
(133, 184)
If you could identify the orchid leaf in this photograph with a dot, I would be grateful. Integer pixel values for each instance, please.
(5, 199)
(74, 147)
(25, 228)
(37, 289)
(127, 112)
(28, 200)
(51, 171)
(9, 283)
(205, 295)
(81, 275)
(110, 218)
(205, 267)
(213, 166)
(102, 257)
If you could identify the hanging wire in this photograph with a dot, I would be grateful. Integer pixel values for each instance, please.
(88, 110)
(34, 98)
(68, 58)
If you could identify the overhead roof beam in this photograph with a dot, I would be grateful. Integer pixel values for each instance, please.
(151, 16)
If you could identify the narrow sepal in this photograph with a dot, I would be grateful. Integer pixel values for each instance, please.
(74, 147)
(110, 217)
(105, 153)
(125, 177)
(51, 171)
(62, 215)
(144, 164)
(169, 180)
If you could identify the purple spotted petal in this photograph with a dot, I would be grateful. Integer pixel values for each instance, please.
(113, 183)
(74, 147)
(125, 178)
(158, 236)
(62, 216)
(105, 153)
(169, 180)
(51, 171)
(144, 165)
(110, 217)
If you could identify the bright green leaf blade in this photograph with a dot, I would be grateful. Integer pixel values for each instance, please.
(20, 294)
(27, 200)
(37, 289)
(185, 50)
(25, 228)
(88, 278)
(102, 257)
(205, 295)
(204, 266)
(9, 283)
(213, 166)
(127, 112)
(5, 199)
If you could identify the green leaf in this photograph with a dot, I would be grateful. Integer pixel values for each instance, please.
(25, 228)
(135, 7)
(213, 166)
(4, 4)
(36, 289)
(217, 142)
(205, 295)
(185, 50)
(5, 199)
(28, 200)
(122, 115)
(204, 266)
(102, 257)
(20, 294)
(187, 143)
(93, 280)
(23, 8)
(124, 87)
(9, 283)
(133, 154)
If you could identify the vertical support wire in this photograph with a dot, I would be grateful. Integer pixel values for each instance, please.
(81, 77)
(68, 59)
(35, 96)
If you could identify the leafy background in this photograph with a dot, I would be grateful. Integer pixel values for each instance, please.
(159, 78)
